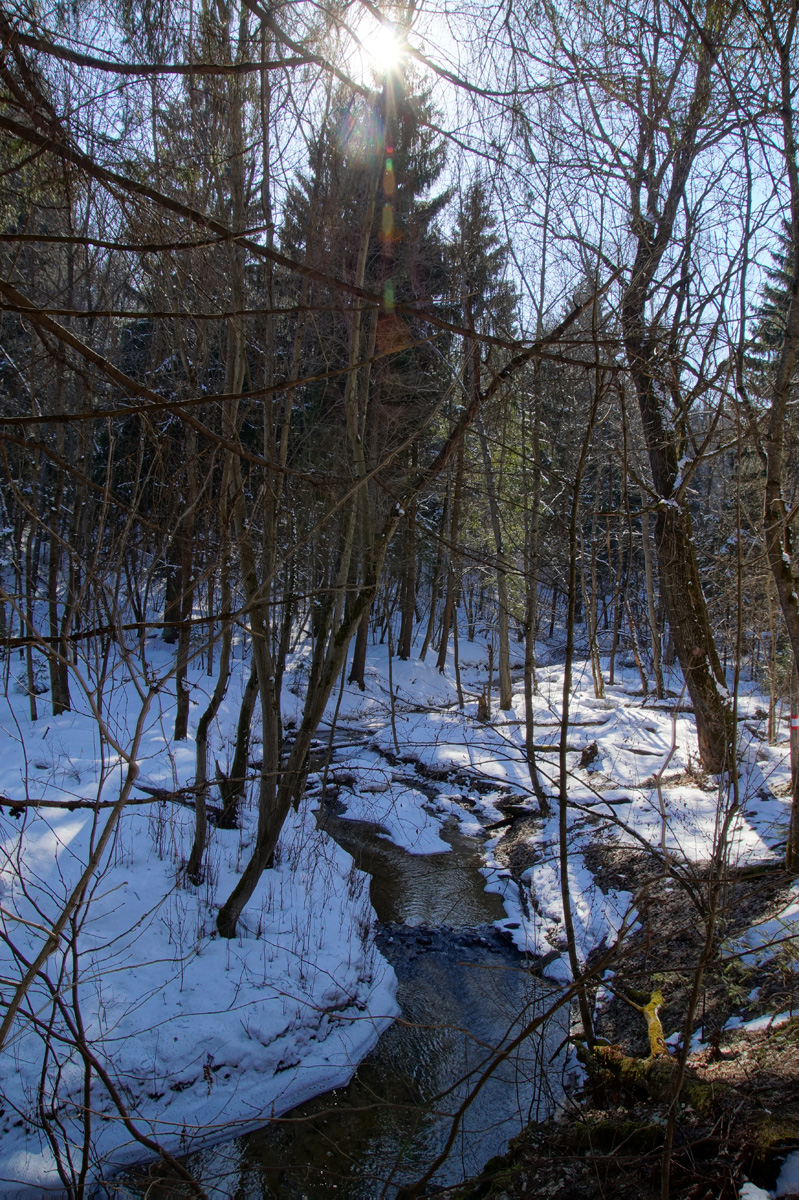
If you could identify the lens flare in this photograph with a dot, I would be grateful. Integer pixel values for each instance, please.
(382, 48)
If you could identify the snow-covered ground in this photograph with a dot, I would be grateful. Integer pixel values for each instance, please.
(643, 787)
(202, 1036)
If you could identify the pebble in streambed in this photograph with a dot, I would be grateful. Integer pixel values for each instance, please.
(404, 943)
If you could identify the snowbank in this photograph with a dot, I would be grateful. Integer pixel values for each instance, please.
(200, 1036)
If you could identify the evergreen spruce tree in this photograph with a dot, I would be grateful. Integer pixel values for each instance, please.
(772, 311)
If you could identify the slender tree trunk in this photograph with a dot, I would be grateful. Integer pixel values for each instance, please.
(409, 588)
(186, 600)
(456, 658)
(452, 582)
(591, 609)
(654, 628)
(172, 592)
(531, 601)
(435, 582)
(355, 431)
(634, 644)
(231, 787)
(505, 684)
(563, 797)
(59, 683)
(618, 598)
(792, 845)
(470, 612)
(194, 865)
(30, 623)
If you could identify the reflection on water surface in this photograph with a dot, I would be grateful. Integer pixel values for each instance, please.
(463, 992)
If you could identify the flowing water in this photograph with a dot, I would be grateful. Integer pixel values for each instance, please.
(464, 994)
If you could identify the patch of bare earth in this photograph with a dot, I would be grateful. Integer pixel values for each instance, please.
(738, 1110)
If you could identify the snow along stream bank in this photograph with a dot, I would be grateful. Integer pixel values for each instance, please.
(463, 991)
(200, 1037)
(203, 1036)
(304, 990)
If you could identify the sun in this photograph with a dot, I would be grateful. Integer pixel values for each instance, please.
(382, 48)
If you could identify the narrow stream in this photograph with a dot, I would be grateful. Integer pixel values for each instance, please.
(463, 993)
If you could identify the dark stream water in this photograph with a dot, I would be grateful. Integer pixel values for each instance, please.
(463, 992)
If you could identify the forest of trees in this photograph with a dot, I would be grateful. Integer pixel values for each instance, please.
(348, 320)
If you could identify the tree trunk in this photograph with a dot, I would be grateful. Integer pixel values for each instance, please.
(776, 523)
(435, 583)
(409, 588)
(531, 574)
(172, 592)
(186, 599)
(231, 787)
(31, 573)
(452, 582)
(591, 609)
(563, 798)
(680, 582)
(505, 684)
(194, 865)
(355, 429)
(59, 680)
(654, 629)
(693, 638)
(792, 845)
(292, 776)
(621, 574)
(358, 667)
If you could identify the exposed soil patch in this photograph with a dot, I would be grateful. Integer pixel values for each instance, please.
(744, 1119)
(738, 1112)
(515, 849)
(664, 950)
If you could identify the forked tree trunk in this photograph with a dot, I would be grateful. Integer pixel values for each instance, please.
(680, 582)
(292, 775)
